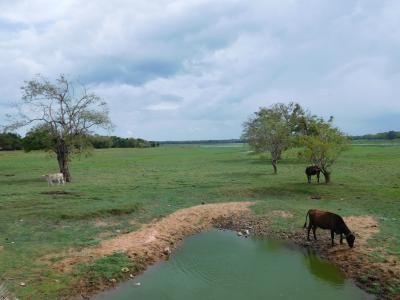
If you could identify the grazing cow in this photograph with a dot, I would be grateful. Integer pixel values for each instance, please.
(312, 170)
(331, 221)
(56, 177)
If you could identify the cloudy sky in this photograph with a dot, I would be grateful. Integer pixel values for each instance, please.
(196, 69)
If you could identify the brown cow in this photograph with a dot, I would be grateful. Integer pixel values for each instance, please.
(331, 221)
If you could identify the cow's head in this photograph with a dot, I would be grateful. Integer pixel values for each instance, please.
(317, 169)
(350, 238)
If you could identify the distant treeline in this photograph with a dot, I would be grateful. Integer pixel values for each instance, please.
(37, 141)
(388, 135)
(101, 141)
(229, 141)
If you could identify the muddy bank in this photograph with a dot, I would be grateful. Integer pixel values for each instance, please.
(381, 278)
(153, 242)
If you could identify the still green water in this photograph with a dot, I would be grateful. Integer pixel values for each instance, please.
(220, 265)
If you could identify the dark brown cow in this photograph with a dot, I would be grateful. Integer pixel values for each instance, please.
(331, 221)
(312, 170)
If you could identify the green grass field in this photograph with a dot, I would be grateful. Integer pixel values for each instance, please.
(116, 186)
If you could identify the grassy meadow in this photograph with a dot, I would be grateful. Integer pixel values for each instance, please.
(113, 190)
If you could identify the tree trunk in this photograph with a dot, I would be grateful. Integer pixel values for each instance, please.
(274, 165)
(63, 160)
(327, 176)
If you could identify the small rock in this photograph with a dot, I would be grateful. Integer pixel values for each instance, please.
(202, 203)
(22, 284)
(167, 251)
(247, 232)
(118, 231)
(131, 276)
(239, 233)
(113, 280)
(125, 269)
(137, 283)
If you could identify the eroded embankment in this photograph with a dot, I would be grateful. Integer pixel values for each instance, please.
(151, 240)
(148, 244)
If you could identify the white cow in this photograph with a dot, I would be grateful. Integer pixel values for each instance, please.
(55, 177)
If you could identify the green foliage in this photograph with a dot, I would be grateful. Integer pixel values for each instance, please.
(102, 142)
(324, 146)
(390, 135)
(39, 138)
(10, 141)
(272, 129)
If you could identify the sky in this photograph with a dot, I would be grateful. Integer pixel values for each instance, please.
(197, 69)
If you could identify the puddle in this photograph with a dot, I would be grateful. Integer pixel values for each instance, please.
(221, 265)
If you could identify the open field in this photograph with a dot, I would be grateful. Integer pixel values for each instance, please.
(115, 190)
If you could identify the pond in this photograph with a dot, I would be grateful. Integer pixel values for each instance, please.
(221, 265)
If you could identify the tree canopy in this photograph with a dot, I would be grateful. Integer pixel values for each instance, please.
(273, 129)
(323, 145)
(66, 112)
(10, 141)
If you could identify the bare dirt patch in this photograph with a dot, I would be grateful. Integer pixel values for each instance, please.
(61, 193)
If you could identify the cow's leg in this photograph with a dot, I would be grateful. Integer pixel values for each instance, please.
(341, 239)
(309, 178)
(332, 237)
(318, 177)
(313, 230)
(308, 232)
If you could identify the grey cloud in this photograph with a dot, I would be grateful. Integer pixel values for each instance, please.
(198, 69)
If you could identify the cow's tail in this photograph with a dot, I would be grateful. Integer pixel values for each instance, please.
(305, 224)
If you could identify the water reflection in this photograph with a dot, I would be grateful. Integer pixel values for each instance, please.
(322, 269)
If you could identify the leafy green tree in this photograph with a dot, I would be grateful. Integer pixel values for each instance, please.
(101, 142)
(391, 135)
(39, 138)
(273, 129)
(10, 141)
(323, 145)
(66, 112)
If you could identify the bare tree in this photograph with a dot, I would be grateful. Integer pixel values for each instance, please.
(65, 111)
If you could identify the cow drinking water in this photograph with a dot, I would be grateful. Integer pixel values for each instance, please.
(312, 170)
(331, 221)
